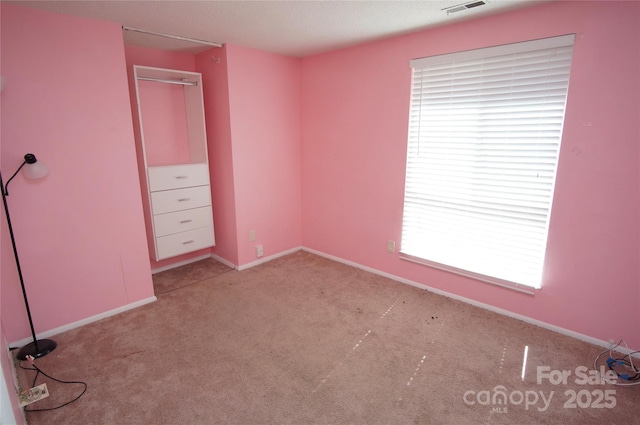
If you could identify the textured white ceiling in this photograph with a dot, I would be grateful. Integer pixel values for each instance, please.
(296, 28)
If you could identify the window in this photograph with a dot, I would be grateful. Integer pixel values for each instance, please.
(484, 137)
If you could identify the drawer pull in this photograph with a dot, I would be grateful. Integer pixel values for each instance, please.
(185, 221)
(183, 199)
(181, 177)
(188, 242)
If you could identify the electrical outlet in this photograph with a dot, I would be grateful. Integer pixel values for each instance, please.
(391, 246)
(33, 394)
(252, 235)
(259, 251)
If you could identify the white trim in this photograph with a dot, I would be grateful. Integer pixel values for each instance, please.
(86, 321)
(507, 313)
(223, 261)
(174, 37)
(269, 258)
(6, 403)
(180, 263)
(529, 290)
(562, 331)
(14, 389)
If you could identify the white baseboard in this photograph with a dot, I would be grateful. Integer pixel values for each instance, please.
(77, 324)
(558, 329)
(269, 258)
(8, 386)
(86, 321)
(489, 307)
(223, 261)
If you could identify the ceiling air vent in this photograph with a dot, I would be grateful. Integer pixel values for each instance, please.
(465, 6)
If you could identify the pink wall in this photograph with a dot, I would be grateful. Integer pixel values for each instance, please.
(137, 55)
(354, 127)
(215, 86)
(264, 112)
(80, 230)
(5, 357)
(164, 123)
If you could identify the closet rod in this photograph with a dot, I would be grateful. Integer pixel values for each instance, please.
(175, 37)
(164, 80)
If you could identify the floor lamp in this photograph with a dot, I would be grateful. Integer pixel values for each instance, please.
(31, 169)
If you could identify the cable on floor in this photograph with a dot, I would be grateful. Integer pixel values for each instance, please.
(38, 372)
(623, 367)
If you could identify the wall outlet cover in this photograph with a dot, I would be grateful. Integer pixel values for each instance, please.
(33, 394)
(391, 246)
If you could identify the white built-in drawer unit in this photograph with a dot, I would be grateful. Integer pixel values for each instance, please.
(181, 221)
(177, 176)
(180, 199)
(178, 214)
(179, 243)
(181, 208)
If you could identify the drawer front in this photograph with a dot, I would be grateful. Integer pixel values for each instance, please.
(178, 176)
(180, 199)
(180, 221)
(180, 243)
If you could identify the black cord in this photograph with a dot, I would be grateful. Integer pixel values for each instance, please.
(613, 361)
(38, 372)
(626, 361)
(629, 355)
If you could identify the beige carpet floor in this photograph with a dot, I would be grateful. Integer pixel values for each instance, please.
(179, 277)
(305, 340)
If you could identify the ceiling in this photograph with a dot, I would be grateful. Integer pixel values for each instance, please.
(294, 28)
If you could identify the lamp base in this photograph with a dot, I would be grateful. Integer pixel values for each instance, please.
(45, 346)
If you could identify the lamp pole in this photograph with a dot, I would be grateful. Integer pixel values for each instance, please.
(44, 346)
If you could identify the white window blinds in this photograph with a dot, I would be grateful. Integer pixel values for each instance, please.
(484, 136)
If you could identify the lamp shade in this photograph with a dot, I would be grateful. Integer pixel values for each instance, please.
(34, 169)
